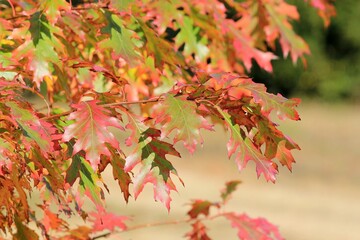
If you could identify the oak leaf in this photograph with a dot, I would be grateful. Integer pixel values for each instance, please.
(155, 168)
(200, 207)
(198, 232)
(230, 187)
(120, 41)
(179, 115)
(279, 14)
(80, 168)
(107, 221)
(91, 130)
(42, 132)
(244, 150)
(253, 229)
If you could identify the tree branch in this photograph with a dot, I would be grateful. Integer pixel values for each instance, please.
(156, 224)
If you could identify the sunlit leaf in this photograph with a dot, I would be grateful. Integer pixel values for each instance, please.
(91, 129)
(179, 115)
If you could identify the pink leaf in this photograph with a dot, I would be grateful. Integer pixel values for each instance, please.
(107, 221)
(91, 129)
(253, 228)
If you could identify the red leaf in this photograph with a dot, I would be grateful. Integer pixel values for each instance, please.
(136, 126)
(91, 129)
(325, 9)
(253, 228)
(52, 221)
(198, 232)
(244, 150)
(284, 155)
(200, 207)
(279, 27)
(284, 108)
(107, 221)
(246, 53)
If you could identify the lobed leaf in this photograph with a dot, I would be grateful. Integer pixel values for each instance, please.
(230, 187)
(38, 130)
(284, 108)
(244, 150)
(120, 41)
(179, 115)
(279, 13)
(155, 168)
(123, 178)
(198, 232)
(253, 229)
(102, 220)
(188, 36)
(91, 130)
(325, 8)
(200, 207)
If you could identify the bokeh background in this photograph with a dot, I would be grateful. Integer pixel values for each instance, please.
(320, 198)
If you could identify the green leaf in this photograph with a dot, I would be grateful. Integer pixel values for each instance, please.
(24, 232)
(73, 171)
(120, 41)
(188, 36)
(53, 8)
(121, 5)
(165, 54)
(39, 27)
(179, 115)
(157, 150)
(230, 187)
(88, 180)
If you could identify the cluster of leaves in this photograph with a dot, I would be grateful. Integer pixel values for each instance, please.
(132, 76)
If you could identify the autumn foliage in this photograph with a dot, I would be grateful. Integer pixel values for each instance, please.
(86, 86)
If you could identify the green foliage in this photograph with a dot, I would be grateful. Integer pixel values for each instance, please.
(332, 70)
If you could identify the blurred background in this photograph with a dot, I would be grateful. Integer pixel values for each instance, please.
(320, 198)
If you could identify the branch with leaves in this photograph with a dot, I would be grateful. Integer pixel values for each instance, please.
(134, 77)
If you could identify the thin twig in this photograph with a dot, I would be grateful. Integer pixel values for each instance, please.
(130, 103)
(147, 225)
(104, 105)
(156, 224)
(57, 115)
